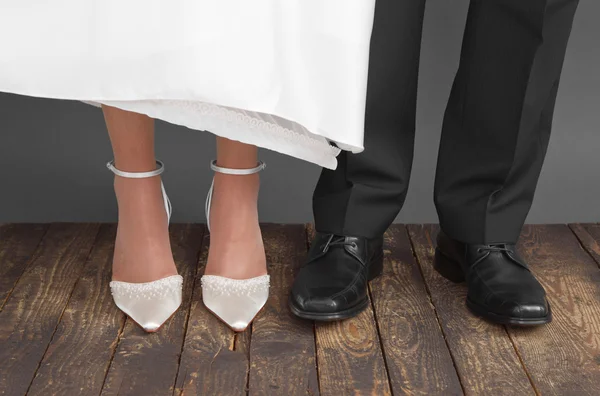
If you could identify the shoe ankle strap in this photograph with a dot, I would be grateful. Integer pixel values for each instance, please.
(241, 172)
(136, 175)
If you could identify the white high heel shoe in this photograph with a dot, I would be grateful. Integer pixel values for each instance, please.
(148, 304)
(234, 301)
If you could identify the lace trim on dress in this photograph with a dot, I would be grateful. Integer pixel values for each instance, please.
(241, 125)
(243, 119)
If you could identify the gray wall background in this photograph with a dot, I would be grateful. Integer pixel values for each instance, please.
(52, 153)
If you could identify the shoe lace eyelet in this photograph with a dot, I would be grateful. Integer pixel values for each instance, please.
(354, 245)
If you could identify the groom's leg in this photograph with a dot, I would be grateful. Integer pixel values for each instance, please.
(354, 204)
(496, 131)
(365, 193)
(498, 120)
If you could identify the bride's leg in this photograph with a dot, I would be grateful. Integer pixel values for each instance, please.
(236, 246)
(142, 249)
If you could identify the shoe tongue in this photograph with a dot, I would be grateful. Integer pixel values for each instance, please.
(338, 239)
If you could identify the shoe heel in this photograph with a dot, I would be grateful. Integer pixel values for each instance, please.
(448, 268)
(375, 267)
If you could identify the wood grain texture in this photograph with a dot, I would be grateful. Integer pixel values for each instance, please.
(59, 327)
(31, 315)
(589, 237)
(417, 357)
(350, 360)
(147, 364)
(209, 365)
(562, 358)
(18, 243)
(483, 353)
(242, 342)
(349, 355)
(79, 355)
(283, 347)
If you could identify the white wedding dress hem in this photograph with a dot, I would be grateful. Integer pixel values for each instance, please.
(289, 76)
(243, 126)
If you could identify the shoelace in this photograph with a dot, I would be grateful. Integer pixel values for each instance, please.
(502, 248)
(337, 240)
(492, 248)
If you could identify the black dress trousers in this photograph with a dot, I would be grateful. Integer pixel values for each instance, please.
(496, 127)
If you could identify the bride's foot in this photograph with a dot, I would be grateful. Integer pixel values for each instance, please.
(145, 286)
(236, 245)
(142, 248)
(235, 285)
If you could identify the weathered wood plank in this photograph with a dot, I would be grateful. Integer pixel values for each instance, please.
(349, 355)
(209, 365)
(562, 358)
(241, 344)
(31, 315)
(79, 355)
(283, 347)
(483, 353)
(147, 364)
(417, 357)
(18, 243)
(589, 237)
(242, 341)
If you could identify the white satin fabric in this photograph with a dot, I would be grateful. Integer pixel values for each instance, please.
(288, 75)
(149, 304)
(235, 301)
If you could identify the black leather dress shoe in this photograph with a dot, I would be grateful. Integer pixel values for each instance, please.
(332, 283)
(501, 287)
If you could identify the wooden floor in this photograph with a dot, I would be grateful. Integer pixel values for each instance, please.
(60, 333)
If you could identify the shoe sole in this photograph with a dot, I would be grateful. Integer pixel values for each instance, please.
(508, 320)
(375, 269)
(452, 270)
(330, 316)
